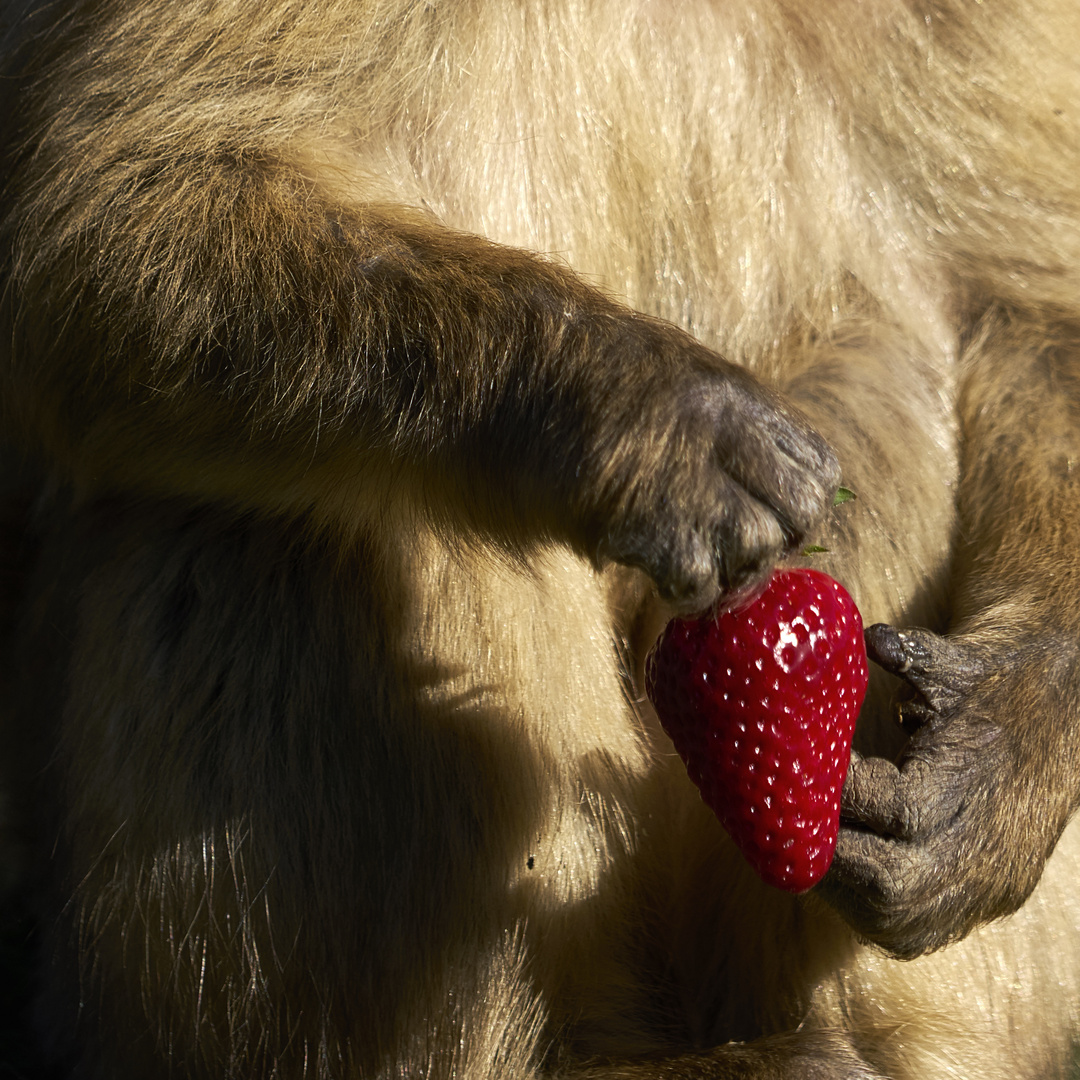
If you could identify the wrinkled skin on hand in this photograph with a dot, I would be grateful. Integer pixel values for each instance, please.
(711, 486)
(957, 831)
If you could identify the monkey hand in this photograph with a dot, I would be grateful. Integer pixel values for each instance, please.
(693, 471)
(956, 833)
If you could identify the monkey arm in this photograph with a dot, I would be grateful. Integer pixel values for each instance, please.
(196, 314)
(958, 830)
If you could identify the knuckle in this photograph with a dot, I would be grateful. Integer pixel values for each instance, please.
(685, 574)
(757, 537)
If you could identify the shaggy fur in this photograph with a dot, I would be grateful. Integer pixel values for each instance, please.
(363, 364)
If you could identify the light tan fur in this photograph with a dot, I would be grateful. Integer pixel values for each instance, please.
(349, 765)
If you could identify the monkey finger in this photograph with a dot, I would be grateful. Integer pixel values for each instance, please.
(782, 428)
(719, 542)
(869, 880)
(748, 540)
(767, 448)
(886, 799)
(885, 648)
(785, 465)
(939, 668)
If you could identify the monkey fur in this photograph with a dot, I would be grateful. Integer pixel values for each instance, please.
(377, 376)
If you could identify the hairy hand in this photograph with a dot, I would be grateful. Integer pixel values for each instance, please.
(957, 831)
(706, 478)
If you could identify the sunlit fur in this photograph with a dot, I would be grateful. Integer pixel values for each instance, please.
(349, 776)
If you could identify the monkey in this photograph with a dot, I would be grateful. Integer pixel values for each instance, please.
(378, 377)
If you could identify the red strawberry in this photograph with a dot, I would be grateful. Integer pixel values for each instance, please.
(761, 705)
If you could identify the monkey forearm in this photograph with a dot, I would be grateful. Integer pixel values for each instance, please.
(1018, 560)
(1017, 567)
(956, 831)
(363, 348)
(192, 312)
